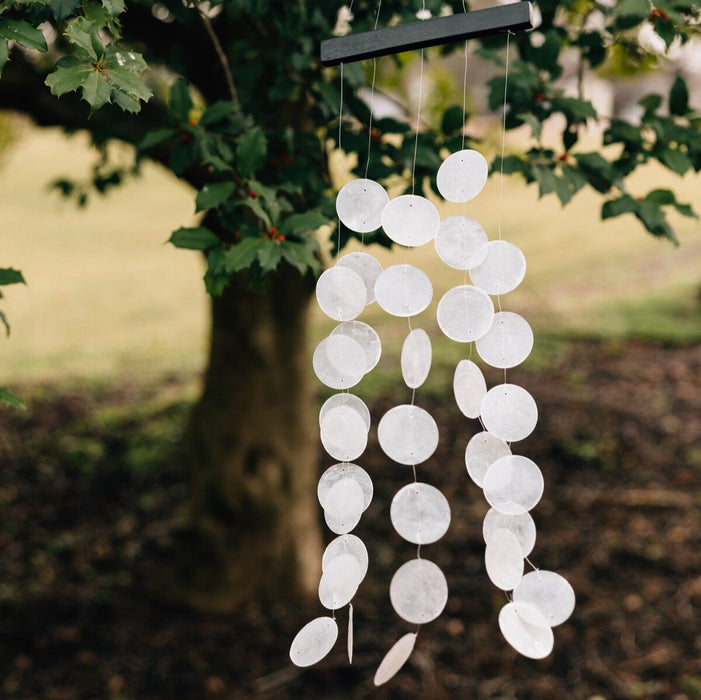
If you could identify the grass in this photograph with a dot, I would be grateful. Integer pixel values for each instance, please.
(106, 297)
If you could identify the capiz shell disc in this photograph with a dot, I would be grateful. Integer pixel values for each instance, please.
(508, 342)
(469, 388)
(509, 412)
(337, 472)
(410, 220)
(346, 544)
(367, 267)
(341, 293)
(502, 270)
(420, 513)
(465, 313)
(339, 361)
(349, 400)
(548, 598)
(344, 434)
(339, 582)
(461, 242)
(503, 559)
(343, 506)
(408, 434)
(395, 658)
(416, 358)
(403, 290)
(359, 205)
(462, 175)
(314, 641)
(528, 640)
(367, 336)
(513, 485)
(481, 452)
(418, 591)
(521, 525)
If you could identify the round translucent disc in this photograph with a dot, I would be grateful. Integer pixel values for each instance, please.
(408, 434)
(461, 242)
(462, 175)
(341, 293)
(403, 290)
(410, 220)
(532, 642)
(359, 205)
(416, 358)
(509, 412)
(503, 559)
(502, 270)
(395, 658)
(367, 337)
(420, 513)
(346, 544)
(469, 388)
(547, 599)
(339, 361)
(521, 525)
(367, 267)
(314, 641)
(339, 582)
(418, 591)
(344, 471)
(349, 400)
(513, 485)
(465, 313)
(481, 452)
(344, 433)
(343, 506)
(508, 342)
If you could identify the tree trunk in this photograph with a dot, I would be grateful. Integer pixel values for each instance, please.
(252, 447)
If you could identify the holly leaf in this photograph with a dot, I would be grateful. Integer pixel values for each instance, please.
(452, 120)
(199, 238)
(69, 75)
(180, 100)
(251, 151)
(7, 397)
(126, 81)
(308, 221)
(675, 160)
(679, 97)
(4, 53)
(96, 90)
(269, 255)
(83, 34)
(153, 138)
(23, 33)
(9, 275)
(243, 254)
(212, 195)
(114, 7)
(622, 205)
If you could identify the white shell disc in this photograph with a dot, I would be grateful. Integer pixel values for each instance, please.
(513, 485)
(508, 342)
(532, 642)
(521, 525)
(349, 400)
(346, 544)
(365, 335)
(461, 242)
(338, 472)
(408, 434)
(416, 358)
(341, 293)
(462, 175)
(410, 220)
(367, 267)
(395, 658)
(547, 599)
(481, 452)
(509, 412)
(359, 205)
(469, 388)
(502, 270)
(403, 290)
(465, 313)
(503, 559)
(344, 434)
(420, 513)
(339, 361)
(350, 633)
(418, 591)
(339, 582)
(343, 506)
(314, 641)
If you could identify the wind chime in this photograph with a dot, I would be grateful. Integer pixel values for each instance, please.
(512, 484)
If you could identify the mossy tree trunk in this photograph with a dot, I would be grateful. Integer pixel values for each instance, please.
(252, 452)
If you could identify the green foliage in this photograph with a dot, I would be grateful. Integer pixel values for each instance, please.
(10, 399)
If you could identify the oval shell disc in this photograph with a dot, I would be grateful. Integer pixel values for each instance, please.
(547, 598)
(314, 641)
(509, 412)
(339, 582)
(461, 242)
(527, 640)
(359, 205)
(469, 388)
(341, 293)
(508, 342)
(367, 267)
(408, 434)
(462, 175)
(481, 452)
(513, 485)
(418, 591)
(344, 434)
(420, 513)
(403, 290)
(416, 358)
(395, 658)
(465, 313)
(410, 220)
(502, 270)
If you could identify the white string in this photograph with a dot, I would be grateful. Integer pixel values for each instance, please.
(340, 150)
(372, 93)
(418, 120)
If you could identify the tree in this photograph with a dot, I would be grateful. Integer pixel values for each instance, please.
(229, 95)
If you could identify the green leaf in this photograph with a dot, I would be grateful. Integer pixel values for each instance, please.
(660, 197)
(114, 7)
(532, 121)
(545, 178)
(615, 207)
(655, 221)
(251, 151)
(650, 103)
(6, 323)
(199, 238)
(243, 254)
(180, 100)
(257, 208)
(269, 255)
(217, 112)
(4, 53)
(153, 138)
(300, 256)
(308, 221)
(9, 275)
(23, 33)
(96, 90)
(126, 103)
(675, 160)
(82, 33)
(6, 396)
(69, 75)
(63, 9)
(131, 60)
(598, 171)
(212, 195)
(453, 120)
(679, 97)
(127, 81)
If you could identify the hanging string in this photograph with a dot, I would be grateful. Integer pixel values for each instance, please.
(464, 89)
(340, 151)
(503, 137)
(418, 119)
(372, 92)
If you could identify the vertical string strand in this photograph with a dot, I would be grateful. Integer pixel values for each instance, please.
(418, 122)
(503, 137)
(339, 152)
(372, 92)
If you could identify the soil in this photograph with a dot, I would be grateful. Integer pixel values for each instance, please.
(89, 514)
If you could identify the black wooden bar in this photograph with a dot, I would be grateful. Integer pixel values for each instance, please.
(430, 32)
